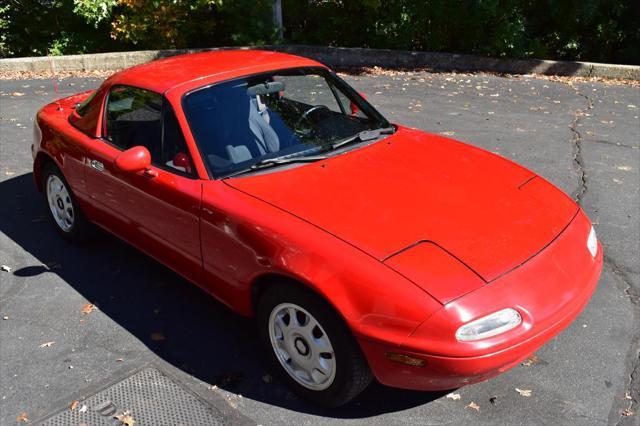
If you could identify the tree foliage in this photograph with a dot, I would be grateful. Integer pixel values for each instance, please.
(592, 30)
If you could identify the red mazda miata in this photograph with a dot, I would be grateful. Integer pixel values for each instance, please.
(363, 248)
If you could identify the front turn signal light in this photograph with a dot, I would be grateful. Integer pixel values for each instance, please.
(491, 325)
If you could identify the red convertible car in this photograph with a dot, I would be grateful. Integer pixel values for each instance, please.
(364, 249)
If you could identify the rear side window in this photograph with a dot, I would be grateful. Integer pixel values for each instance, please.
(133, 118)
(138, 117)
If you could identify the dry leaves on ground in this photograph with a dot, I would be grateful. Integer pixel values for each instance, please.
(22, 418)
(454, 396)
(30, 75)
(47, 344)
(73, 405)
(474, 406)
(532, 360)
(88, 308)
(125, 418)
(626, 412)
(524, 392)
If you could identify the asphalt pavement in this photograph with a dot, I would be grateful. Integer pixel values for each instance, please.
(54, 349)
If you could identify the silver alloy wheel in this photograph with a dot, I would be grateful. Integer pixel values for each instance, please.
(60, 203)
(302, 346)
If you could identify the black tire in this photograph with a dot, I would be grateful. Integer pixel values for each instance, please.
(352, 374)
(81, 229)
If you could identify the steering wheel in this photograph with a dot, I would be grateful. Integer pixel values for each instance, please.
(305, 117)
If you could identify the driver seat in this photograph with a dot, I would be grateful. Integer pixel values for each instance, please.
(265, 139)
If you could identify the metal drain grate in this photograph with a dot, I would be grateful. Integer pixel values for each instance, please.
(152, 399)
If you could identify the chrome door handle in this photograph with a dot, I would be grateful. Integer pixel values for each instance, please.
(97, 165)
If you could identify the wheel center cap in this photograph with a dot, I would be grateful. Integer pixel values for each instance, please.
(301, 346)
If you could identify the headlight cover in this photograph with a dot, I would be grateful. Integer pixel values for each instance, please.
(592, 242)
(491, 325)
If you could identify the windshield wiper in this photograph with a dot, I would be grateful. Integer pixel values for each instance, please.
(365, 135)
(276, 161)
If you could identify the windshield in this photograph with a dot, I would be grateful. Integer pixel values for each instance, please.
(292, 113)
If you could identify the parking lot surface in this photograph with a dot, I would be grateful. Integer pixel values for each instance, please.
(54, 349)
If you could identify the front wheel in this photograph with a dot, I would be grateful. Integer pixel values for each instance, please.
(63, 209)
(309, 344)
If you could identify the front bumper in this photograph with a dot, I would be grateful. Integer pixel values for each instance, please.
(550, 291)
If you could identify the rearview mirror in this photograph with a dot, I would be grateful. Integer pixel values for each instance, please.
(265, 88)
(133, 159)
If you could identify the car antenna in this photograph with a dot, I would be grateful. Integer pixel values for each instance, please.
(55, 80)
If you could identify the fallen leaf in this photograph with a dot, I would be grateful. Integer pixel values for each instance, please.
(532, 360)
(125, 418)
(474, 406)
(454, 396)
(17, 94)
(157, 336)
(524, 392)
(73, 405)
(46, 344)
(22, 418)
(5, 268)
(88, 308)
(626, 412)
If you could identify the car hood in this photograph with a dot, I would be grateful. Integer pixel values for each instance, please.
(412, 187)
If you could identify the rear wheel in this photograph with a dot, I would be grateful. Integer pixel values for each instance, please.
(62, 208)
(310, 346)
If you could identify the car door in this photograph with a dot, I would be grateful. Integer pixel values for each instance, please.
(157, 210)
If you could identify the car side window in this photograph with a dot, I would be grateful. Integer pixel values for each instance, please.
(133, 118)
(175, 155)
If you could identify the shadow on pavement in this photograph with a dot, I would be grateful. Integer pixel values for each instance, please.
(201, 336)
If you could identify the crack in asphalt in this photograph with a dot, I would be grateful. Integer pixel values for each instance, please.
(633, 388)
(578, 194)
(621, 145)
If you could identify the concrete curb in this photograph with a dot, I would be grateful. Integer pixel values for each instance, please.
(340, 58)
